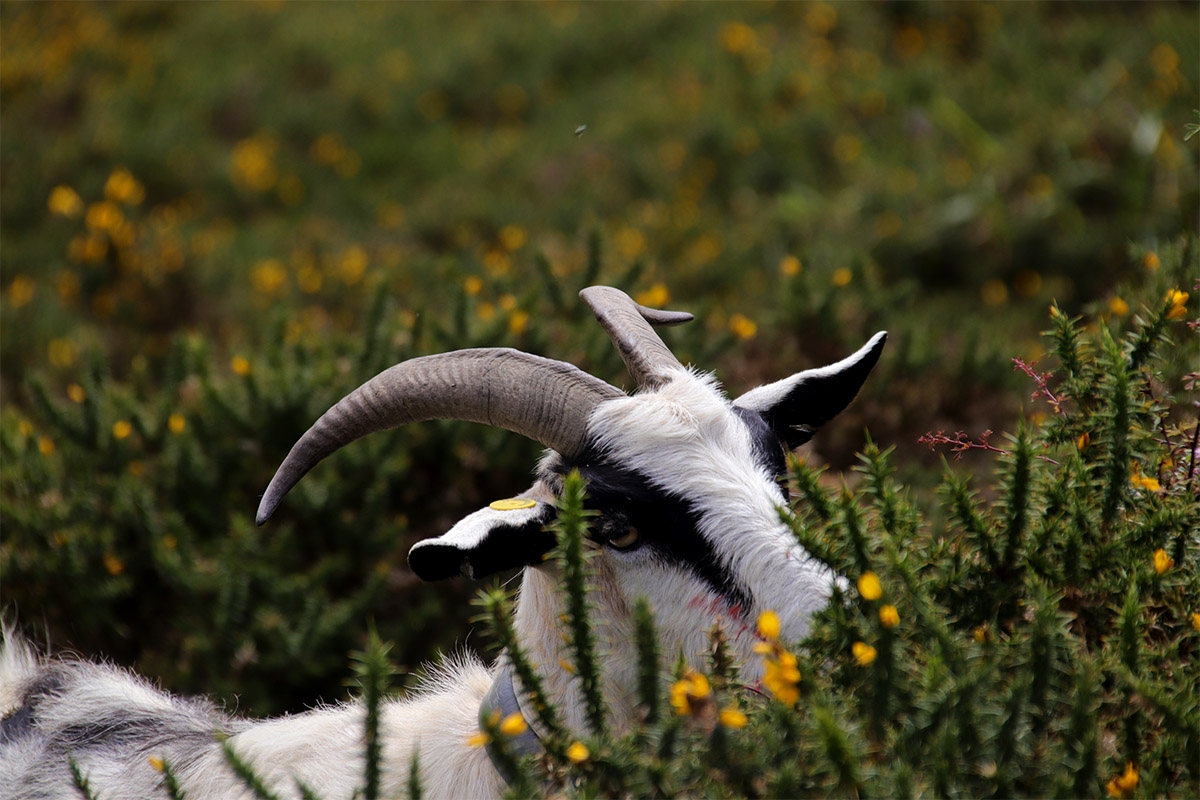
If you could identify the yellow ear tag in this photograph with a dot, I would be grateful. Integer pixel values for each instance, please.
(512, 504)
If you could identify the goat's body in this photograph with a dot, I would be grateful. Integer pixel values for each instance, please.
(112, 723)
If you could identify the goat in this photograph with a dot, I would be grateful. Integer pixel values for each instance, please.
(685, 488)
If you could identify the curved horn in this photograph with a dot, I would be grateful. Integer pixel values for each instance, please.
(545, 400)
(628, 324)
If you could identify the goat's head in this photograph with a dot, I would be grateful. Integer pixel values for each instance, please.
(685, 482)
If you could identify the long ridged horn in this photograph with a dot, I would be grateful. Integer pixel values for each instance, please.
(628, 324)
(545, 400)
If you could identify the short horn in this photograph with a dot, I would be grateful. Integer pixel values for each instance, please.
(545, 400)
(628, 324)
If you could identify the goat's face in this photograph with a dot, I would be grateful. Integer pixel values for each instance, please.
(684, 482)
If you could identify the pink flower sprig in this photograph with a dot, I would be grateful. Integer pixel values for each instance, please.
(960, 443)
(1041, 379)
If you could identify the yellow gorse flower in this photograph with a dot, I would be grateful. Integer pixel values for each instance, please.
(479, 739)
(1139, 481)
(869, 587)
(864, 653)
(514, 724)
(1123, 785)
(1196, 621)
(732, 718)
(1162, 561)
(1177, 301)
(889, 617)
(688, 693)
(577, 752)
(768, 625)
(781, 675)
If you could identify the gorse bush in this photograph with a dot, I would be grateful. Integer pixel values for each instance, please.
(1035, 637)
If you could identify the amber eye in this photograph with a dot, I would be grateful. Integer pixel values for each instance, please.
(626, 540)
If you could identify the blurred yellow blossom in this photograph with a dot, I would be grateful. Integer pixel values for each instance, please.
(518, 321)
(781, 675)
(1083, 441)
(176, 423)
(847, 148)
(512, 237)
(790, 265)
(630, 242)
(45, 445)
(864, 653)
(908, 42)
(269, 277)
(1196, 621)
(76, 393)
(485, 311)
(689, 692)
(742, 326)
(514, 724)
(1118, 307)
(122, 187)
(993, 292)
(104, 216)
(889, 617)
(352, 265)
(156, 763)
(472, 285)
(121, 429)
(869, 586)
(736, 37)
(821, 18)
(113, 565)
(479, 739)
(841, 277)
(980, 634)
(1162, 561)
(1123, 786)
(768, 625)
(65, 201)
(733, 718)
(252, 163)
(240, 365)
(1164, 59)
(62, 352)
(1150, 261)
(657, 296)
(20, 291)
(577, 752)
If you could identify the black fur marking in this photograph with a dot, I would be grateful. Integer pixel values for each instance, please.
(768, 449)
(21, 722)
(668, 524)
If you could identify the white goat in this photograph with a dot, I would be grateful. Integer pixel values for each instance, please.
(685, 483)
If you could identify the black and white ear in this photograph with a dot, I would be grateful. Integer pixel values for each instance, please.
(507, 534)
(795, 407)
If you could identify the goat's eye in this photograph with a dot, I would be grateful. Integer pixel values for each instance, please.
(626, 540)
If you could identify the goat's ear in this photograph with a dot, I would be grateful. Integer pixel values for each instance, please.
(795, 407)
(505, 535)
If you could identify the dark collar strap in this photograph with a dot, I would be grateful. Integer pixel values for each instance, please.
(502, 697)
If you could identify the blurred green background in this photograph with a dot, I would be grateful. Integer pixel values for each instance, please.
(220, 217)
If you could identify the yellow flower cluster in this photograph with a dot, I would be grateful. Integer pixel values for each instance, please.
(1162, 561)
(781, 675)
(690, 693)
(1122, 786)
(1177, 304)
(1140, 481)
(863, 653)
